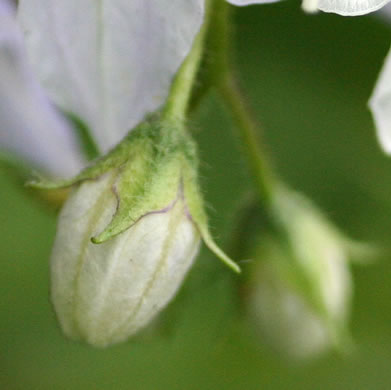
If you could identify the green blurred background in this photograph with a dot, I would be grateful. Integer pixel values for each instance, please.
(308, 79)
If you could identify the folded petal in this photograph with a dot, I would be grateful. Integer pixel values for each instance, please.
(351, 7)
(29, 126)
(109, 62)
(380, 105)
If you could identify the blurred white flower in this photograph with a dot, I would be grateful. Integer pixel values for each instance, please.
(30, 126)
(385, 12)
(107, 63)
(341, 7)
(380, 105)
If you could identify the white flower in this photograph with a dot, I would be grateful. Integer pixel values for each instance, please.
(108, 63)
(105, 293)
(380, 105)
(341, 7)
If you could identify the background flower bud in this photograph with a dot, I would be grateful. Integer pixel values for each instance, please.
(285, 310)
(104, 293)
(299, 286)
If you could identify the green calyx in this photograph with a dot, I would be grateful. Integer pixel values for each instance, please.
(156, 165)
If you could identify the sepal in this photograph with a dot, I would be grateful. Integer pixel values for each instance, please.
(153, 166)
(123, 152)
(195, 204)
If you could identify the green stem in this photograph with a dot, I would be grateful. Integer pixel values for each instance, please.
(250, 136)
(179, 98)
(214, 61)
(219, 42)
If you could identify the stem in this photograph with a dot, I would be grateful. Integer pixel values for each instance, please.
(218, 40)
(249, 132)
(214, 61)
(221, 75)
(179, 98)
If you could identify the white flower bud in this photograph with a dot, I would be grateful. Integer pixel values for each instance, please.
(128, 234)
(104, 293)
(286, 313)
(301, 287)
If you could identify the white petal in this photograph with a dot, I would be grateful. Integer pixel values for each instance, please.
(385, 13)
(29, 125)
(104, 293)
(380, 105)
(109, 62)
(351, 7)
(249, 2)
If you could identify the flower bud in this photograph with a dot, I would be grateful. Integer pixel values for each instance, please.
(301, 288)
(128, 235)
(104, 293)
(288, 314)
